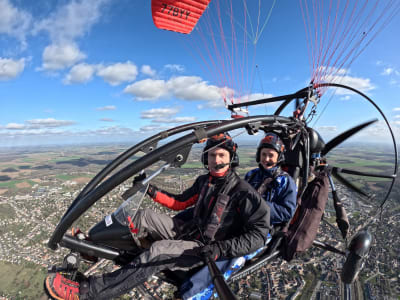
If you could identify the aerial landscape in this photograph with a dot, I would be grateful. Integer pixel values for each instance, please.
(37, 185)
(84, 81)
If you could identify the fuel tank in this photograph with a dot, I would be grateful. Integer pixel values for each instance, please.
(110, 232)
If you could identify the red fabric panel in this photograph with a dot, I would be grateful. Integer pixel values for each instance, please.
(177, 15)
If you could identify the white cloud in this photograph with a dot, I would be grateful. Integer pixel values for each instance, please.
(61, 56)
(255, 96)
(332, 71)
(175, 68)
(147, 89)
(358, 83)
(147, 70)
(10, 69)
(62, 136)
(48, 123)
(72, 20)
(154, 128)
(68, 23)
(397, 122)
(106, 120)
(158, 113)
(327, 129)
(118, 73)
(15, 126)
(387, 71)
(175, 120)
(345, 98)
(165, 115)
(188, 88)
(396, 109)
(193, 88)
(14, 22)
(108, 107)
(34, 124)
(80, 73)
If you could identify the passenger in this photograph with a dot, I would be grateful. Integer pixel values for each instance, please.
(229, 219)
(276, 186)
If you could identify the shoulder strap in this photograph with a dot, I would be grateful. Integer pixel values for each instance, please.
(203, 191)
(215, 219)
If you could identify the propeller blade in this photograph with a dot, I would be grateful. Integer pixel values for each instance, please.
(353, 172)
(344, 136)
(341, 216)
(348, 184)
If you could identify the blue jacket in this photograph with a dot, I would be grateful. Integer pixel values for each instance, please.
(280, 194)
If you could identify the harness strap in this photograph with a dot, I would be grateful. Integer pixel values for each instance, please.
(216, 216)
(213, 220)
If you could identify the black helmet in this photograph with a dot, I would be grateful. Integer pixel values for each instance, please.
(222, 140)
(272, 141)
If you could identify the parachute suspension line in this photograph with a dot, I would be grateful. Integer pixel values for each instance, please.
(222, 61)
(324, 46)
(265, 22)
(251, 24)
(343, 57)
(307, 31)
(259, 78)
(258, 22)
(209, 64)
(353, 53)
(223, 50)
(262, 87)
(323, 109)
(329, 44)
(338, 33)
(383, 25)
(234, 54)
(243, 67)
(218, 68)
(325, 69)
(319, 15)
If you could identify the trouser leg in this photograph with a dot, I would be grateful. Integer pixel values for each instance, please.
(158, 226)
(164, 254)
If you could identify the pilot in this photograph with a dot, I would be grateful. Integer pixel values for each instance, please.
(279, 191)
(276, 186)
(229, 219)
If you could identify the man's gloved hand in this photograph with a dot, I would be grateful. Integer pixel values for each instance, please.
(152, 190)
(139, 178)
(211, 250)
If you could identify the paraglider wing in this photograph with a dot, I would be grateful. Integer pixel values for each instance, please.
(177, 15)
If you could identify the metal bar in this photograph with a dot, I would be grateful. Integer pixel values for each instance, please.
(88, 248)
(327, 247)
(299, 94)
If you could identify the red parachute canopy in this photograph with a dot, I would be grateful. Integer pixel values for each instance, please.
(177, 15)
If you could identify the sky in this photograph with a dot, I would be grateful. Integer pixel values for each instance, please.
(99, 71)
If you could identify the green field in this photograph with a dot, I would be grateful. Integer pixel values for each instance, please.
(65, 158)
(70, 177)
(22, 281)
(6, 211)
(193, 165)
(10, 184)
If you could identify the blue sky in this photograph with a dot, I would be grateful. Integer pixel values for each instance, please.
(100, 71)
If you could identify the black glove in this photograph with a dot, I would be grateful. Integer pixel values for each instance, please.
(152, 191)
(139, 178)
(211, 250)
